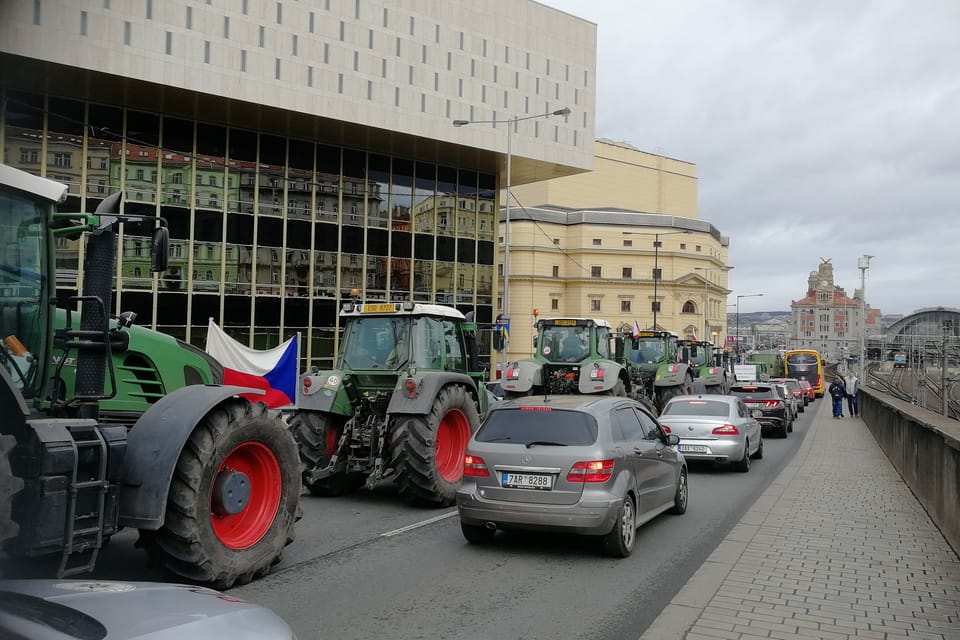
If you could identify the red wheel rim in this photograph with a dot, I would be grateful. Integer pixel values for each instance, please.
(244, 529)
(333, 435)
(453, 433)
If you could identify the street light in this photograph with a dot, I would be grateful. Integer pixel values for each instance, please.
(656, 263)
(863, 263)
(706, 322)
(511, 123)
(743, 295)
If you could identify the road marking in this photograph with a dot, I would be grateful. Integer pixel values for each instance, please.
(417, 525)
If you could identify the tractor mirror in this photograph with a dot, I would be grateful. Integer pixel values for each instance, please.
(160, 250)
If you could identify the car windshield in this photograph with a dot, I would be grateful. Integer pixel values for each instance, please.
(748, 392)
(524, 425)
(685, 407)
(647, 350)
(376, 343)
(567, 343)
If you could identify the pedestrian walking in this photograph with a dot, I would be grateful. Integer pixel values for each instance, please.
(837, 393)
(851, 386)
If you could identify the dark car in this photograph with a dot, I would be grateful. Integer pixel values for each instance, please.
(794, 387)
(590, 465)
(764, 396)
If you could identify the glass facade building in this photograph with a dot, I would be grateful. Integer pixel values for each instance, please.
(268, 233)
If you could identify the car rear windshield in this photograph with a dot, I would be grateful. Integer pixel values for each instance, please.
(538, 424)
(747, 391)
(697, 408)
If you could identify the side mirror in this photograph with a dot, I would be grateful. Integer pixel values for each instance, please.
(160, 250)
(673, 440)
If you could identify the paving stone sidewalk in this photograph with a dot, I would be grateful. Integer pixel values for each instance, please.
(837, 548)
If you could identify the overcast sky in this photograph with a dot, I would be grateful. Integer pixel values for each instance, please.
(820, 128)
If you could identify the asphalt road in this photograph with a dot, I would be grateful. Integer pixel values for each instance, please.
(370, 566)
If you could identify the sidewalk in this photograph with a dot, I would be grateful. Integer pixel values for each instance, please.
(836, 548)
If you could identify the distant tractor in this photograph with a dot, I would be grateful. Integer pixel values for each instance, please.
(572, 355)
(707, 365)
(899, 360)
(656, 366)
(403, 400)
(208, 478)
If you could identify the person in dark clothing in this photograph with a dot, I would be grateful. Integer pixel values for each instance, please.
(838, 392)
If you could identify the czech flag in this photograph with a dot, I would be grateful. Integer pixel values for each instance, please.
(636, 329)
(272, 370)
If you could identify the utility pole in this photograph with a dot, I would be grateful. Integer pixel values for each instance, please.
(863, 264)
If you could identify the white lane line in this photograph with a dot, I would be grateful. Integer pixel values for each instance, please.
(417, 525)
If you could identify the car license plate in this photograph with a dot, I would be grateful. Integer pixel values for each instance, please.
(527, 481)
(693, 448)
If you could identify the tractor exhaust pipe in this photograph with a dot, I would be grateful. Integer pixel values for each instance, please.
(98, 267)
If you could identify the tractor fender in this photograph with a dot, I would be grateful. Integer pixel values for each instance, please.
(323, 391)
(428, 386)
(530, 375)
(611, 376)
(672, 374)
(153, 448)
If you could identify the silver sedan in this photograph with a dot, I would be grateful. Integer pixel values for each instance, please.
(713, 427)
(591, 465)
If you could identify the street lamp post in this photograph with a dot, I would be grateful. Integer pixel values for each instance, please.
(706, 321)
(863, 264)
(505, 305)
(737, 341)
(656, 264)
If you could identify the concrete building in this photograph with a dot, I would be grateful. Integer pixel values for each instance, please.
(569, 257)
(297, 150)
(827, 320)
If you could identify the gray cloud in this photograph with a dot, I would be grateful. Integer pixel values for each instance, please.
(819, 129)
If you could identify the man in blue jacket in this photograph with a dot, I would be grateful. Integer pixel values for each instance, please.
(838, 392)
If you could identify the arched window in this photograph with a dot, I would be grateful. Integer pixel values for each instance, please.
(689, 307)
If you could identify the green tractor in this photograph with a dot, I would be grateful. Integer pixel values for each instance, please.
(148, 366)
(656, 366)
(706, 364)
(572, 355)
(405, 397)
(208, 478)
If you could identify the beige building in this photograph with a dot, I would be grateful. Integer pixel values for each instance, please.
(623, 177)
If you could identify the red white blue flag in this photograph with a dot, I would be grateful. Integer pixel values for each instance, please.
(636, 329)
(272, 370)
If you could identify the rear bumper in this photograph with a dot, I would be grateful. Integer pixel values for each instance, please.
(587, 517)
(719, 450)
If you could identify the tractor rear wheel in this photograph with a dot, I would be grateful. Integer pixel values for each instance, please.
(317, 437)
(9, 485)
(233, 499)
(427, 451)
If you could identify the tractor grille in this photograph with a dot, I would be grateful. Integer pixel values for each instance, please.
(139, 375)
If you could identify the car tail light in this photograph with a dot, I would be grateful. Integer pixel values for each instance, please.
(513, 374)
(591, 471)
(665, 428)
(673, 368)
(726, 430)
(772, 403)
(596, 374)
(475, 466)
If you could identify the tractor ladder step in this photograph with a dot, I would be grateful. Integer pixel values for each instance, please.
(82, 543)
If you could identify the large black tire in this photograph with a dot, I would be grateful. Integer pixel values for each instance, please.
(620, 541)
(9, 485)
(199, 543)
(427, 451)
(317, 436)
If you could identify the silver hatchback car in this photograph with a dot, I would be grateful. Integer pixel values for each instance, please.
(714, 427)
(579, 464)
